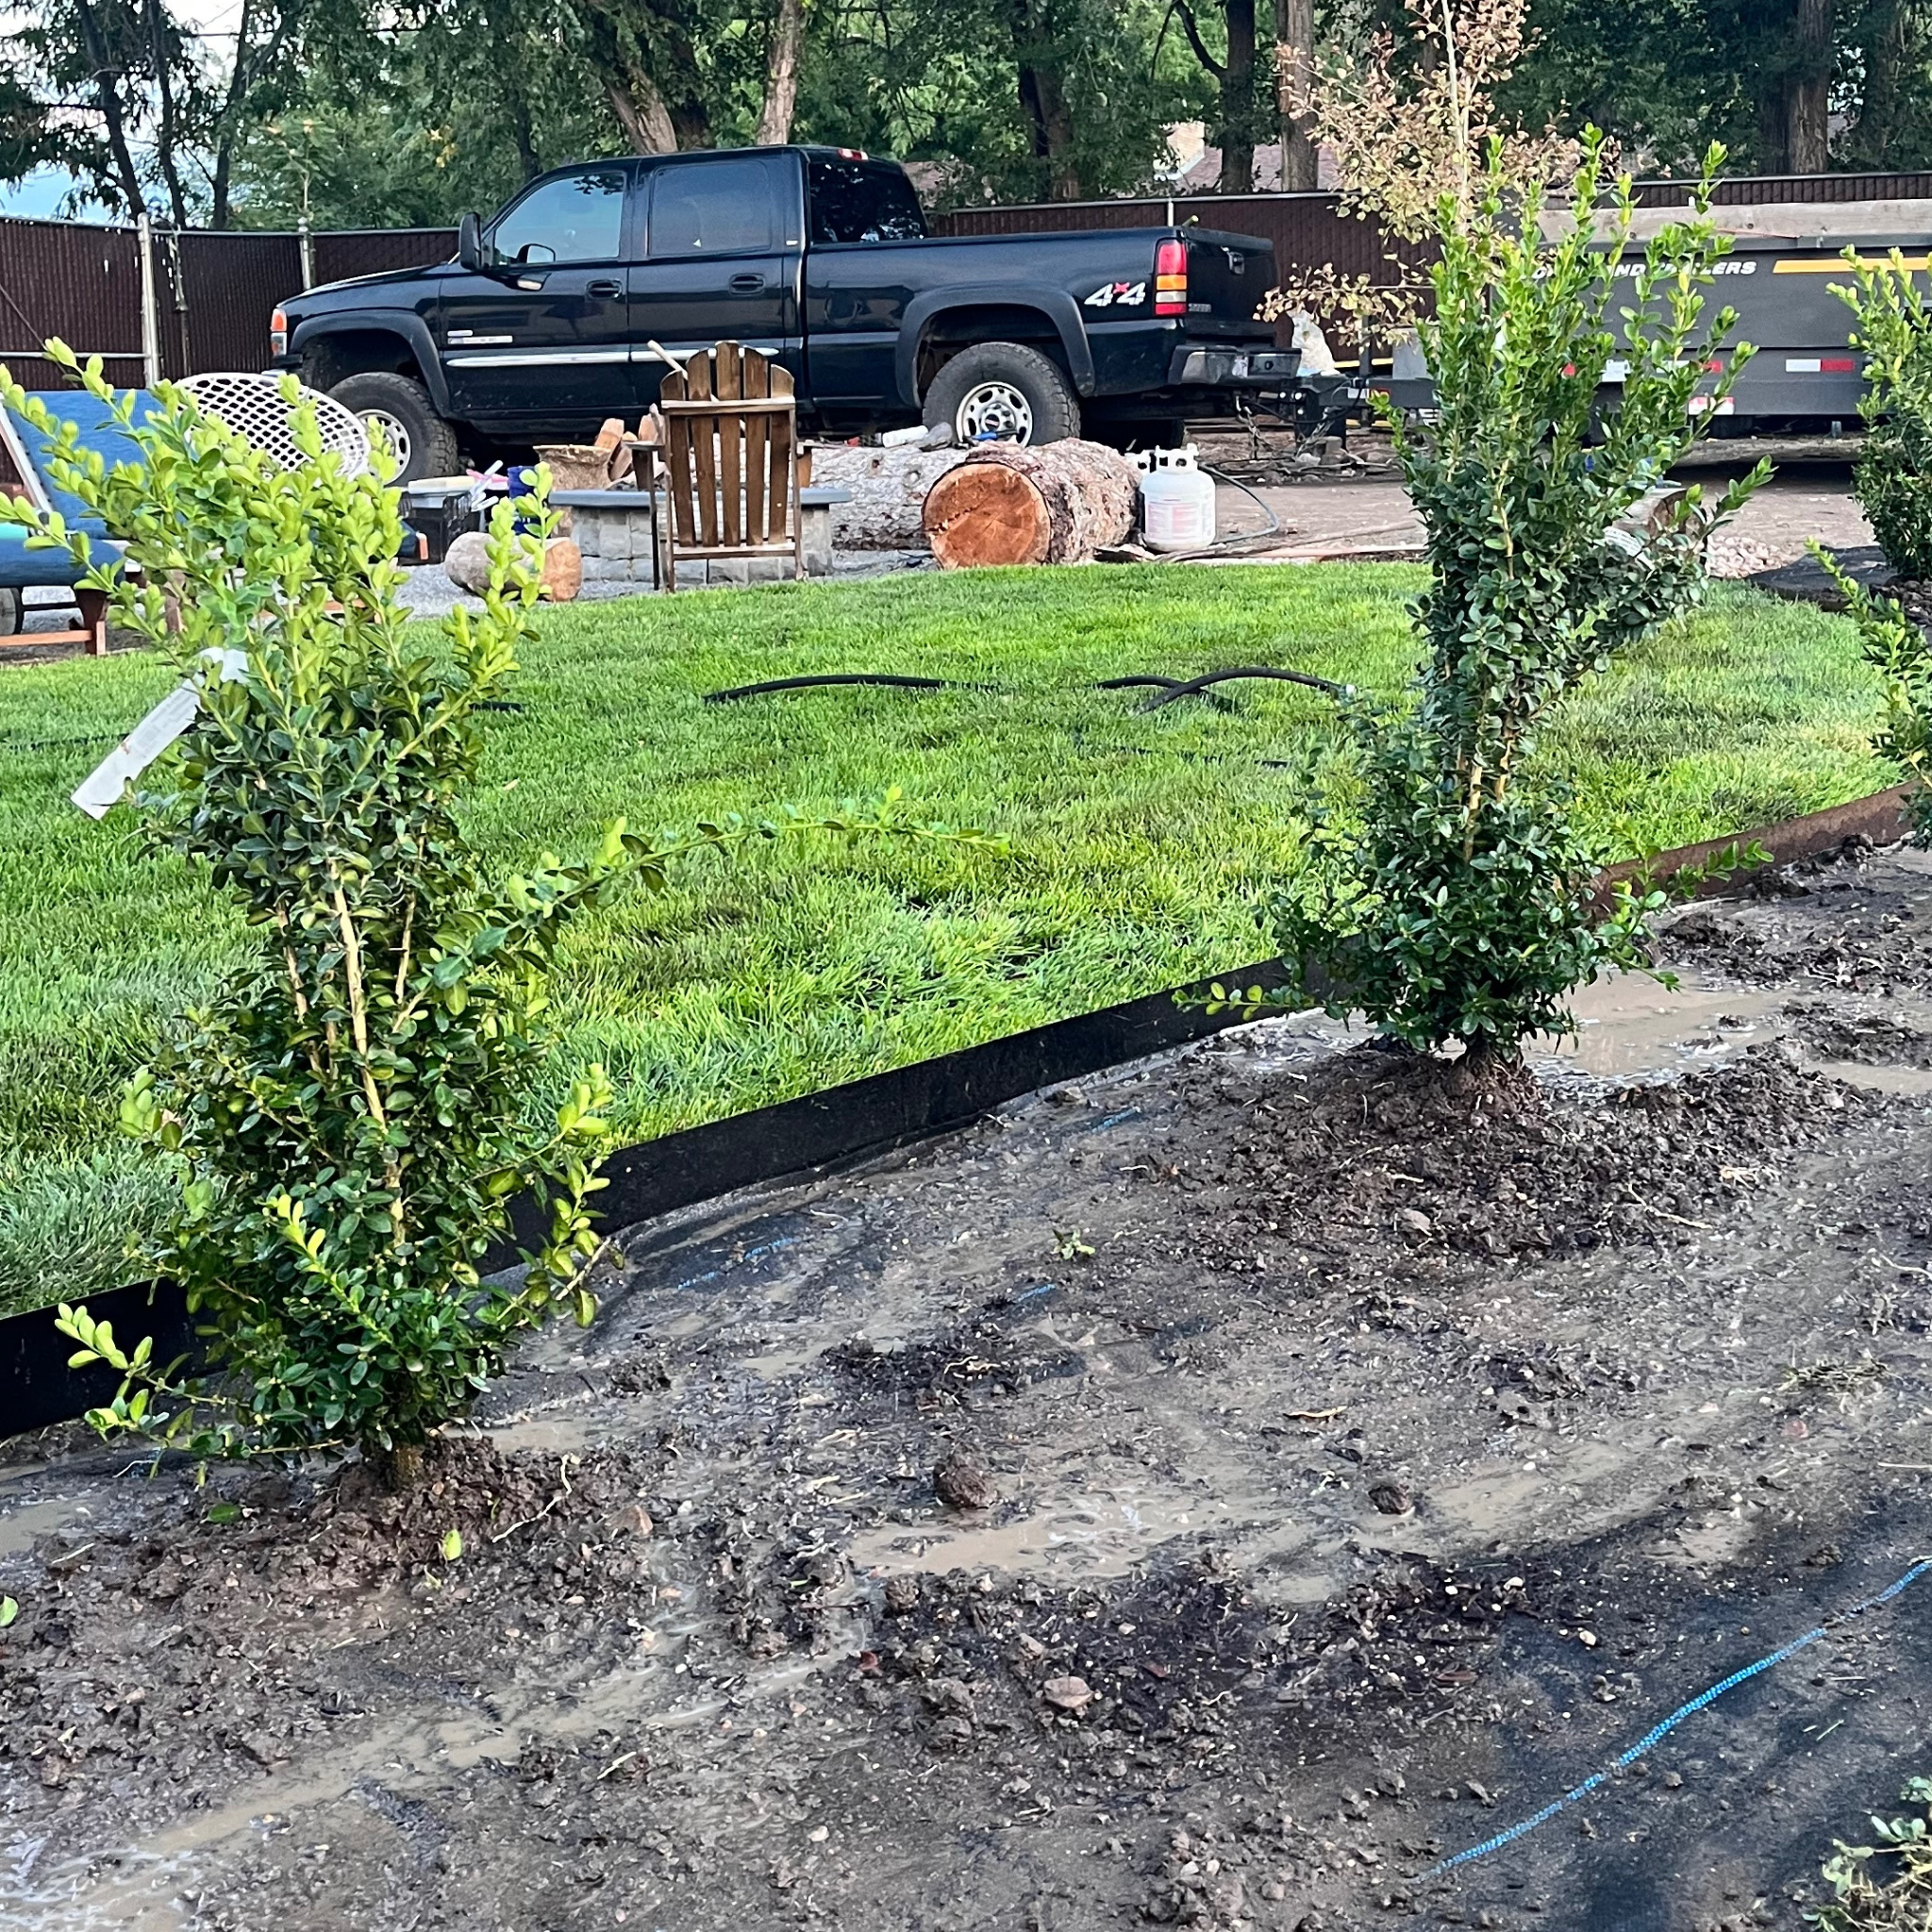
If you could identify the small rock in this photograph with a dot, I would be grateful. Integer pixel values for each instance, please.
(1415, 1220)
(947, 1696)
(466, 562)
(951, 1734)
(262, 1748)
(1673, 1782)
(1067, 1693)
(963, 1483)
(633, 1519)
(902, 1595)
(1392, 1499)
(1587, 1639)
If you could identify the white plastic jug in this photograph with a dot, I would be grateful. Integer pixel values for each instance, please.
(1176, 500)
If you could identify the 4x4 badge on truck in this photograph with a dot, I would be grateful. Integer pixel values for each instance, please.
(1125, 294)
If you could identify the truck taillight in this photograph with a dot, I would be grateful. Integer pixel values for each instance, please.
(1170, 278)
(278, 333)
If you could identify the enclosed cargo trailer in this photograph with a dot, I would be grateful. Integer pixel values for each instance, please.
(1805, 379)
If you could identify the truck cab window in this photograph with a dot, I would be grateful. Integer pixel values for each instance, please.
(862, 201)
(576, 217)
(716, 208)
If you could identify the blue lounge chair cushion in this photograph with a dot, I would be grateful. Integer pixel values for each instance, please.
(98, 431)
(22, 569)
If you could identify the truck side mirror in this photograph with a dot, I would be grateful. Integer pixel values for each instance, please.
(470, 243)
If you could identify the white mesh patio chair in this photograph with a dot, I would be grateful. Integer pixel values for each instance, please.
(253, 407)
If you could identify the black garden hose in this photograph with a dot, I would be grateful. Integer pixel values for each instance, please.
(1191, 686)
(886, 678)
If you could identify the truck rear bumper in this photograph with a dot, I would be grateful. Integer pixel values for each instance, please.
(1232, 368)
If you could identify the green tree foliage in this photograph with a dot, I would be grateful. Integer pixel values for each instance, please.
(409, 129)
(1454, 901)
(1793, 87)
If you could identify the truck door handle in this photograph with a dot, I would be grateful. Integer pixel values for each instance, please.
(605, 287)
(747, 284)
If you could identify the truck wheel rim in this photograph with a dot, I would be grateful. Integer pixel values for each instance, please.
(395, 432)
(996, 409)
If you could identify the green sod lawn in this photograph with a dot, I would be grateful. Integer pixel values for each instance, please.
(1141, 844)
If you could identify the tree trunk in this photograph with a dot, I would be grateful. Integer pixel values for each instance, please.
(1043, 103)
(166, 129)
(398, 1468)
(1807, 97)
(643, 56)
(1295, 73)
(781, 75)
(1237, 100)
(229, 122)
(252, 63)
(1005, 504)
(642, 113)
(107, 93)
(1876, 127)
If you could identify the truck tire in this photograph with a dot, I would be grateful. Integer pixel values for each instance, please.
(422, 443)
(1006, 389)
(12, 612)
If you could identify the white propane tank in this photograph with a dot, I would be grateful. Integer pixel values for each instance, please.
(1176, 500)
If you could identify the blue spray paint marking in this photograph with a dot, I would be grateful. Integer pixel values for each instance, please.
(1113, 1119)
(1027, 1294)
(750, 1255)
(1670, 1724)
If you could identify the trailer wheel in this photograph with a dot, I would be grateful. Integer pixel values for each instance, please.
(1004, 392)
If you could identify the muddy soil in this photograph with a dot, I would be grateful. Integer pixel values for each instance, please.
(1208, 1496)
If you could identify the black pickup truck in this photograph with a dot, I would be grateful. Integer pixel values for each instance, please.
(543, 325)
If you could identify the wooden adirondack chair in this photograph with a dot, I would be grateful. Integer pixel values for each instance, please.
(730, 460)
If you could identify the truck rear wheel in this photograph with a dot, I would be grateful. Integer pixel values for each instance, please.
(420, 441)
(1003, 391)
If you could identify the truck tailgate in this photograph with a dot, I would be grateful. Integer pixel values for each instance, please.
(1228, 278)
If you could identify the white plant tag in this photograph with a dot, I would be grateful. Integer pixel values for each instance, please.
(99, 793)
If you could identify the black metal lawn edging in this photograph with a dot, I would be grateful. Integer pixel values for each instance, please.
(862, 1117)
(653, 1178)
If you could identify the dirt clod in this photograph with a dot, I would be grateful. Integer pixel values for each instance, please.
(964, 1483)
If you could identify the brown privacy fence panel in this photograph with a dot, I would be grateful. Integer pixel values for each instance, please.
(1756, 191)
(217, 316)
(74, 280)
(348, 252)
(213, 293)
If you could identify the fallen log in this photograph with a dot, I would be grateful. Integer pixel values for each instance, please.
(1007, 503)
